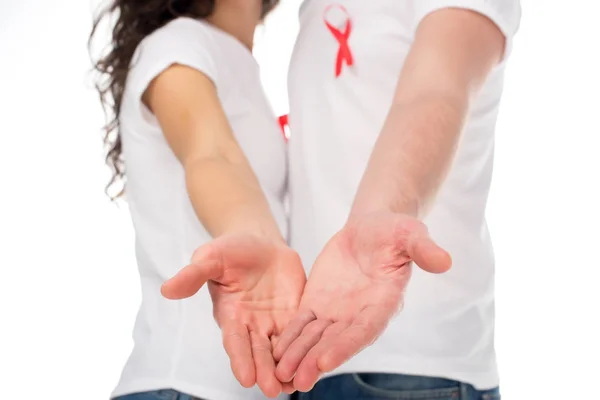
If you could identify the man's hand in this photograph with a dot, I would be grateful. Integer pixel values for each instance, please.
(355, 287)
(255, 284)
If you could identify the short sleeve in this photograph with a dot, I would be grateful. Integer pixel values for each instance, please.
(183, 41)
(506, 14)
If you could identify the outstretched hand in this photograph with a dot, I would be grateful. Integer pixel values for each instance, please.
(355, 287)
(255, 284)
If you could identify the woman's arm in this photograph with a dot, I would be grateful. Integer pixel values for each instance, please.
(224, 190)
(255, 280)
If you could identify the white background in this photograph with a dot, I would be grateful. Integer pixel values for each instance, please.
(68, 279)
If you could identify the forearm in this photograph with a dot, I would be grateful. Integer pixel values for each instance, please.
(221, 184)
(413, 154)
(227, 197)
(452, 55)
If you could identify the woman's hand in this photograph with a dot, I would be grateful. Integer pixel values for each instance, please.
(255, 283)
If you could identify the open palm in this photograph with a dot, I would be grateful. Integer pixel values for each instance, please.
(255, 284)
(355, 287)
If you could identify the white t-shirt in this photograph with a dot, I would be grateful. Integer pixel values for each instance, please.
(447, 326)
(177, 343)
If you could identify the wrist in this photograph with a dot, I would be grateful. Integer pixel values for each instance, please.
(265, 230)
(376, 205)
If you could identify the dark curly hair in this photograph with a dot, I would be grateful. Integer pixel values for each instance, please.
(136, 19)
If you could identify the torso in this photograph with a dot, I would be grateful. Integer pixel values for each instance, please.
(177, 343)
(446, 327)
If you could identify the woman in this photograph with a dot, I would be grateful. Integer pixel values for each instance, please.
(204, 158)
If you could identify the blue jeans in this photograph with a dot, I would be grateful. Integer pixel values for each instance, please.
(393, 387)
(157, 395)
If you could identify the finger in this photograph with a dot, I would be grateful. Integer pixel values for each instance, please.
(274, 341)
(189, 280)
(265, 365)
(299, 348)
(292, 331)
(428, 255)
(363, 331)
(205, 265)
(236, 342)
(288, 388)
(308, 371)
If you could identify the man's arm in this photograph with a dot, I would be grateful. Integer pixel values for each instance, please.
(358, 281)
(453, 53)
(223, 188)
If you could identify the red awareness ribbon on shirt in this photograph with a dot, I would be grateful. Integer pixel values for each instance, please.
(283, 122)
(344, 52)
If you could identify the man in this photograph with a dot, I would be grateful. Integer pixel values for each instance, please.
(414, 104)
(393, 105)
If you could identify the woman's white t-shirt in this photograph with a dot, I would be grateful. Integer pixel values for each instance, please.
(177, 343)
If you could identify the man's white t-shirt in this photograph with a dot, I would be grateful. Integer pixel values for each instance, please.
(177, 343)
(446, 328)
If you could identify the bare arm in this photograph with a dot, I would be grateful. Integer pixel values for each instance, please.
(255, 279)
(224, 190)
(365, 267)
(453, 53)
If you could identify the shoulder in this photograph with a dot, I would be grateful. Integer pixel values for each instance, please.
(183, 28)
(183, 41)
(504, 13)
(182, 35)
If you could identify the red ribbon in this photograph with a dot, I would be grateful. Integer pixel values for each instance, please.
(344, 52)
(283, 122)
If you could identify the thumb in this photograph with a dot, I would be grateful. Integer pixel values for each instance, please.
(189, 280)
(428, 255)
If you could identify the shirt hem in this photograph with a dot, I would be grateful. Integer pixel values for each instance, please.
(480, 378)
(148, 385)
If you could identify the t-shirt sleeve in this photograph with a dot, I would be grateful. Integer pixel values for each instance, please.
(506, 14)
(180, 42)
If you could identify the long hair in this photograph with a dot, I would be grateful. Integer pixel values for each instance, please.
(135, 20)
